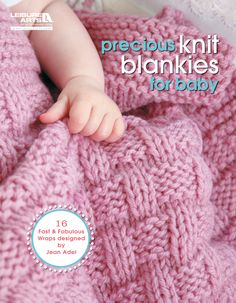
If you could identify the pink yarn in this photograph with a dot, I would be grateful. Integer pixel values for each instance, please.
(164, 222)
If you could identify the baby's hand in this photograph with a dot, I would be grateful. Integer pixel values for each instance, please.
(91, 112)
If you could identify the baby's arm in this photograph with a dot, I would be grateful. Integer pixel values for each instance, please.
(69, 57)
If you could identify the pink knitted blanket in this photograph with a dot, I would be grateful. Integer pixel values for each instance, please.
(162, 200)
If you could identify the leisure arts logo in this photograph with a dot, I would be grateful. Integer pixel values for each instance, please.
(32, 21)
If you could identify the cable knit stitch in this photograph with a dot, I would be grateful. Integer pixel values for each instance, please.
(164, 222)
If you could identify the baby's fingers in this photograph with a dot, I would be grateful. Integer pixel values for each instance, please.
(94, 122)
(105, 128)
(78, 116)
(56, 112)
(117, 131)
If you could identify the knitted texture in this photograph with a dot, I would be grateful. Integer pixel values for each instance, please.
(164, 222)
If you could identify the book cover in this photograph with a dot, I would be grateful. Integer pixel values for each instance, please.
(117, 151)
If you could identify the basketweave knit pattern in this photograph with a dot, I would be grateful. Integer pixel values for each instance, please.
(161, 236)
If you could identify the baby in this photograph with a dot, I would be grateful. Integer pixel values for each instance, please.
(69, 57)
